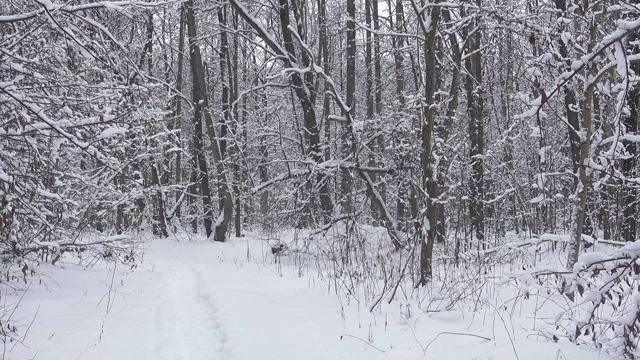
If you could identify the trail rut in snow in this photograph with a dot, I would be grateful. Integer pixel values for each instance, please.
(211, 316)
(187, 322)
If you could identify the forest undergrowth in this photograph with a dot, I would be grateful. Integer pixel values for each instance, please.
(596, 305)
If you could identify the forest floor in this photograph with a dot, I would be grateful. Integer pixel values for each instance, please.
(192, 299)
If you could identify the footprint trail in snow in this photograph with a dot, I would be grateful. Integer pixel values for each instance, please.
(187, 319)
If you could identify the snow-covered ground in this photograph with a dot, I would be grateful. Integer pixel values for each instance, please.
(193, 299)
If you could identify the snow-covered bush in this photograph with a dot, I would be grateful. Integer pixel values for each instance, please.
(598, 302)
(73, 111)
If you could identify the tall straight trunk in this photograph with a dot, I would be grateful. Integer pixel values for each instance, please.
(377, 72)
(628, 166)
(377, 81)
(579, 211)
(570, 103)
(193, 189)
(429, 185)
(324, 48)
(199, 99)
(159, 225)
(229, 76)
(159, 218)
(580, 208)
(347, 201)
(368, 61)
(238, 130)
(475, 109)
(263, 168)
(573, 116)
(398, 58)
(370, 94)
(398, 43)
(148, 46)
(177, 99)
(201, 103)
(445, 129)
(225, 76)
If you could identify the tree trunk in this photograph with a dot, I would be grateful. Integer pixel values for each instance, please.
(628, 166)
(226, 81)
(429, 185)
(584, 179)
(159, 219)
(348, 142)
(369, 94)
(475, 108)
(324, 48)
(201, 104)
(445, 129)
(177, 99)
(239, 131)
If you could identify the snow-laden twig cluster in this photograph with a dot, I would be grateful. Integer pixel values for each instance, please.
(606, 309)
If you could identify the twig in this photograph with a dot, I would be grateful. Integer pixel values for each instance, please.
(109, 302)
(424, 349)
(85, 350)
(455, 333)
(17, 341)
(513, 346)
(364, 341)
(409, 260)
(24, 337)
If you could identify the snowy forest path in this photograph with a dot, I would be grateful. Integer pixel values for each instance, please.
(187, 318)
(231, 301)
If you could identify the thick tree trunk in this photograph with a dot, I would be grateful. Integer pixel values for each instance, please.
(199, 98)
(159, 223)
